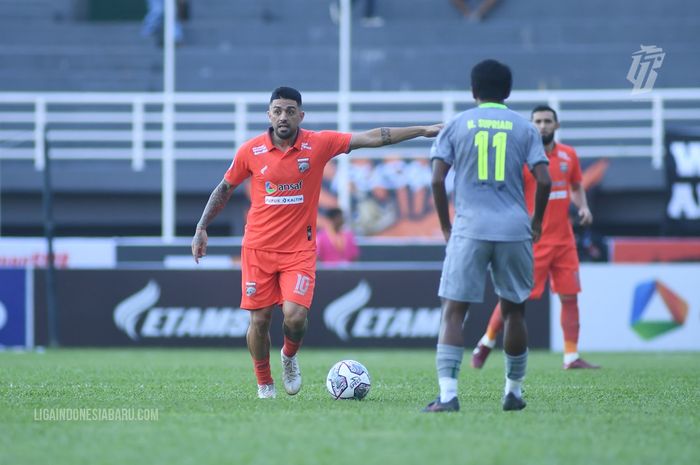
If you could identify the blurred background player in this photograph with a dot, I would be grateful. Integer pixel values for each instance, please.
(335, 244)
(487, 146)
(278, 254)
(555, 253)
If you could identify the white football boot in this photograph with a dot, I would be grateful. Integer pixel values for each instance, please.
(291, 374)
(266, 391)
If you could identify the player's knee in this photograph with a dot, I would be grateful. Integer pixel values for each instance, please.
(511, 310)
(455, 312)
(259, 322)
(295, 320)
(568, 297)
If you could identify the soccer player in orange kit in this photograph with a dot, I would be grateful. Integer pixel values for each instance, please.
(555, 253)
(278, 257)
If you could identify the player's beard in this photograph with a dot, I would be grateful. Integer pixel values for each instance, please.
(546, 140)
(284, 136)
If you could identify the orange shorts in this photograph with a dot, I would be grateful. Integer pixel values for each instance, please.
(269, 278)
(560, 263)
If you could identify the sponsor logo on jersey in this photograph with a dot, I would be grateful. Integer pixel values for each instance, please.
(140, 317)
(303, 164)
(349, 317)
(563, 155)
(558, 195)
(284, 199)
(259, 149)
(271, 187)
(305, 146)
(264, 168)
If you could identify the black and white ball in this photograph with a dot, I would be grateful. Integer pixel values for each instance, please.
(348, 379)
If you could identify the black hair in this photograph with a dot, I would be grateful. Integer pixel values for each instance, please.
(545, 108)
(491, 81)
(289, 93)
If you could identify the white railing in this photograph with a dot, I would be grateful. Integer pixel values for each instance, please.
(129, 126)
(610, 123)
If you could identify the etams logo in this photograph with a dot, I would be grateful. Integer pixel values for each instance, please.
(642, 305)
(349, 318)
(3, 315)
(140, 318)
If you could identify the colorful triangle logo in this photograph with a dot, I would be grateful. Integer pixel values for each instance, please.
(270, 187)
(675, 305)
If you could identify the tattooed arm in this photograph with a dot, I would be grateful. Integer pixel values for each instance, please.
(217, 201)
(386, 136)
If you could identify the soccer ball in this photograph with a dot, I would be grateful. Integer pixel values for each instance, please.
(348, 379)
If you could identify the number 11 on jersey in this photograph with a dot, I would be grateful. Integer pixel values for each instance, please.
(481, 140)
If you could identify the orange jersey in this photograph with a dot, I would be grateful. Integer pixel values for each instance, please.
(285, 187)
(565, 170)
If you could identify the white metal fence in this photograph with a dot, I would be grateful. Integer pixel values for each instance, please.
(609, 123)
(129, 126)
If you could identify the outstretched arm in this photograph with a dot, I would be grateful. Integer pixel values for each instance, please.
(378, 137)
(442, 206)
(217, 201)
(578, 196)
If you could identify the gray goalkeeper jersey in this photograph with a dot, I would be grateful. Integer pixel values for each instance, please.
(487, 147)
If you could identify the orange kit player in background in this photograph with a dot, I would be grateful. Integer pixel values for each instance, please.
(278, 257)
(555, 254)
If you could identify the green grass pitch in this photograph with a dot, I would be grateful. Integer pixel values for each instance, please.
(639, 409)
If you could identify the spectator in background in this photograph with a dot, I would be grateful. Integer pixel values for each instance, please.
(153, 22)
(479, 14)
(369, 17)
(335, 244)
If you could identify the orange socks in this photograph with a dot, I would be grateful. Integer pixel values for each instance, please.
(262, 371)
(570, 324)
(290, 348)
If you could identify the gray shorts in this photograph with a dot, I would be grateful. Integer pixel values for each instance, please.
(467, 261)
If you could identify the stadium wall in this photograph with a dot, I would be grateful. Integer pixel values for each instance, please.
(378, 307)
(650, 307)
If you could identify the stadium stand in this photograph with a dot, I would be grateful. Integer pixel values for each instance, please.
(239, 45)
(243, 46)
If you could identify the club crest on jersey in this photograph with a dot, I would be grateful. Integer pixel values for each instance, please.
(303, 164)
(250, 288)
(563, 166)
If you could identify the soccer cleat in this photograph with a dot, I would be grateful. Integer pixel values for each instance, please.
(266, 391)
(291, 374)
(511, 402)
(437, 406)
(580, 363)
(480, 355)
